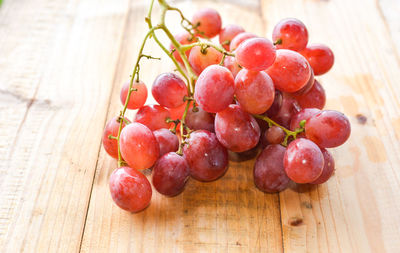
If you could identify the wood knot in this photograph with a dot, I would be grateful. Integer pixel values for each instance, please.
(295, 221)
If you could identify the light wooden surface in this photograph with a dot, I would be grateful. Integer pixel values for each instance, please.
(62, 64)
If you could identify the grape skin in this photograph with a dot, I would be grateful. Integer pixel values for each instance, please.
(200, 60)
(328, 129)
(254, 91)
(236, 130)
(130, 189)
(170, 174)
(199, 120)
(304, 114)
(320, 57)
(228, 33)
(137, 98)
(208, 21)
(329, 168)
(169, 90)
(168, 142)
(138, 146)
(256, 54)
(288, 108)
(231, 64)
(214, 89)
(238, 39)
(292, 33)
(153, 116)
(207, 158)
(274, 135)
(314, 98)
(303, 161)
(111, 145)
(269, 173)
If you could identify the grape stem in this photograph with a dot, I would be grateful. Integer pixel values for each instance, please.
(288, 133)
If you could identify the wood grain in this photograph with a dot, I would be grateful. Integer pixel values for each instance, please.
(62, 64)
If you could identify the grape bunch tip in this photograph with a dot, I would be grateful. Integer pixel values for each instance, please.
(244, 97)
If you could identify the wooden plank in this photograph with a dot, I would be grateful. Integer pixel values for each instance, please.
(227, 215)
(357, 210)
(57, 60)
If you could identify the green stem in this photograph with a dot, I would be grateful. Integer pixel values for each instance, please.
(206, 44)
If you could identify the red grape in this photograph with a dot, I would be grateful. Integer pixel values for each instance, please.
(303, 161)
(207, 158)
(208, 22)
(256, 54)
(273, 135)
(130, 189)
(314, 98)
(111, 145)
(200, 119)
(170, 174)
(167, 141)
(228, 33)
(276, 105)
(214, 89)
(138, 146)
(329, 168)
(290, 33)
(288, 109)
(254, 91)
(245, 155)
(177, 112)
(307, 87)
(183, 38)
(231, 64)
(269, 173)
(236, 130)
(238, 39)
(169, 90)
(304, 114)
(200, 59)
(137, 98)
(153, 116)
(328, 129)
(320, 57)
(290, 71)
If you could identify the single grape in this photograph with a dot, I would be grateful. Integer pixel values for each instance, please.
(153, 116)
(238, 39)
(231, 64)
(130, 189)
(254, 91)
(290, 71)
(214, 89)
(320, 57)
(169, 90)
(207, 158)
(228, 33)
(303, 161)
(167, 141)
(138, 146)
(137, 98)
(200, 59)
(290, 33)
(183, 38)
(244, 156)
(276, 105)
(328, 129)
(236, 130)
(269, 173)
(329, 167)
(200, 119)
(288, 109)
(256, 54)
(314, 98)
(111, 145)
(273, 135)
(170, 174)
(304, 114)
(208, 22)
(307, 87)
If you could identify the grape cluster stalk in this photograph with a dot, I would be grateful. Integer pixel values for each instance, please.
(229, 101)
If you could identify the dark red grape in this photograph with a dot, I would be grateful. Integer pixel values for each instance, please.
(290, 33)
(170, 174)
(169, 90)
(314, 98)
(138, 146)
(208, 22)
(167, 141)
(256, 54)
(276, 105)
(228, 33)
(329, 167)
(214, 89)
(137, 98)
(236, 130)
(130, 189)
(207, 158)
(304, 114)
(153, 116)
(303, 161)
(320, 57)
(288, 109)
(111, 145)
(274, 135)
(243, 156)
(269, 173)
(328, 129)
(199, 120)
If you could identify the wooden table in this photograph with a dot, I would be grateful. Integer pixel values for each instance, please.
(62, 64)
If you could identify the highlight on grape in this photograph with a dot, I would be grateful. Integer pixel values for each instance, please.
(242, 97)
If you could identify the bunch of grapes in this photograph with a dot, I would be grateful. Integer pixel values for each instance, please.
(241, 97)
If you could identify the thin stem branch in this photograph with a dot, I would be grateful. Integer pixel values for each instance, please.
(206, 44)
